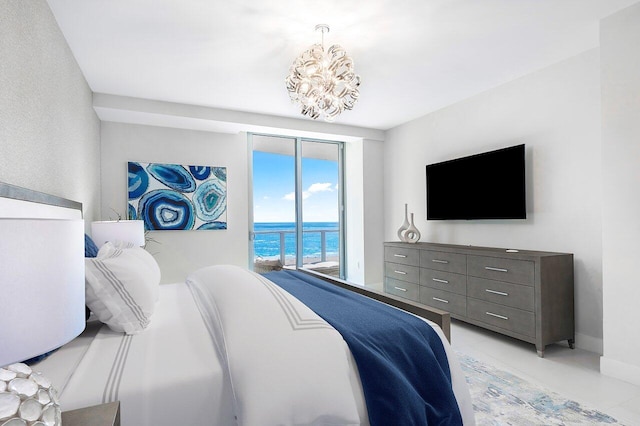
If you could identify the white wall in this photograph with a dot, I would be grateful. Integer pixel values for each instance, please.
(373, 213)
(619, 39)
(364, 195)
(180, 252)
(355, 226)
(50, 135)
(556, 113)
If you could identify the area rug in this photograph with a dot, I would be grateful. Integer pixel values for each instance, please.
(501, 398)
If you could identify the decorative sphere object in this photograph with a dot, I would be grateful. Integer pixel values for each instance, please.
(27, 398)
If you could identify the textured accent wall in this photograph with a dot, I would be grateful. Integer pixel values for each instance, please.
(49, 132)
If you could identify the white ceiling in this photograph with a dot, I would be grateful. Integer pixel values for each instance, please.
(414, 56)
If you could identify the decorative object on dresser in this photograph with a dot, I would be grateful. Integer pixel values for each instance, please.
(130, 231)
(405, 225)
(42, 282)
(412, 235)
(524, 294)
(408, 232)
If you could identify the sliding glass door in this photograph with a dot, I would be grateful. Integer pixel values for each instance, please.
(298, 207)
(321, 205)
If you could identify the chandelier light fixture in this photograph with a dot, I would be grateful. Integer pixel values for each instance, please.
(323, 83)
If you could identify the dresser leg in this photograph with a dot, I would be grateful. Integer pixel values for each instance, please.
(540, 350)
(572, 343)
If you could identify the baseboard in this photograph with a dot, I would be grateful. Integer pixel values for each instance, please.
(620, 370)
(589, 343)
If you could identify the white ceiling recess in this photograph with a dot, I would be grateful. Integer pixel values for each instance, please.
(414, 56)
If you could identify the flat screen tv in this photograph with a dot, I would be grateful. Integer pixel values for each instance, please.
(490, 185)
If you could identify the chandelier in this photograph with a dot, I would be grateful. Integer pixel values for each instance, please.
(323, 83)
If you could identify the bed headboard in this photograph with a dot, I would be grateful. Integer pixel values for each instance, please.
(17, 202)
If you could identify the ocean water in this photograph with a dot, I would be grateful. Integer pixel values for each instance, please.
(267, 246)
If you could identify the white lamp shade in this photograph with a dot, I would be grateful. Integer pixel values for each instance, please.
(131, 231)
(42, 306)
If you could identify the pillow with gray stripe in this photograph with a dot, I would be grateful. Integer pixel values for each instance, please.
(122, 285)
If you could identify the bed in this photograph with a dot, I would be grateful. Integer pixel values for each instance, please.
(232, 347)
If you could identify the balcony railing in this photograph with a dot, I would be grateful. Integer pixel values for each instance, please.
(282, 247)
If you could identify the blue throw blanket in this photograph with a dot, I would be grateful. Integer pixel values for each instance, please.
(402, 363)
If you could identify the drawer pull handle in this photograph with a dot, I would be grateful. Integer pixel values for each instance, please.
(400, 288)
(491, 268)
(440, 300)
(439, 261)
(497, 316)
(438, 280)
(400, 272)
(500, 293)
(399, 255)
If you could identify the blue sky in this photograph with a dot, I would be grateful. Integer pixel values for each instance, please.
(273, 189)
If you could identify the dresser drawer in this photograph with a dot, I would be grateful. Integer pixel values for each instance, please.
(510, 270)
(443, 261)
(401, 272)
(402, 289)
(447, 281)
(450, 302)
(402, 255)
(507, 318)
(501, 293)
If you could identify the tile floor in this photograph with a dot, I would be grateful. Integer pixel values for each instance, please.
(572, 373)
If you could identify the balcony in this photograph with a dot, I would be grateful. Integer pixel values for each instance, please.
(275, 250)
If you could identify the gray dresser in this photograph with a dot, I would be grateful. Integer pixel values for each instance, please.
(527, 295)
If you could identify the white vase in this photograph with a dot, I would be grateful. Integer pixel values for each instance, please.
(412, 235)
(405, 225)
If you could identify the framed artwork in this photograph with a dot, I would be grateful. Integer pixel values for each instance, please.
(176, 197)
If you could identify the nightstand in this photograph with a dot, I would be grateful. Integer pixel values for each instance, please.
(97, 415)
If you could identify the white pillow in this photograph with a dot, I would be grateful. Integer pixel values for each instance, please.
(147, 259)
(122, 286)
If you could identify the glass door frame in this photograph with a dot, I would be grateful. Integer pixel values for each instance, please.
(342, 213)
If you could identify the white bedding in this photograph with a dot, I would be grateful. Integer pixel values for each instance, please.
(167, 375)
(172, 374)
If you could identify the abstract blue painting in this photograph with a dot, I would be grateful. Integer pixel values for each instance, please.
(175, 197)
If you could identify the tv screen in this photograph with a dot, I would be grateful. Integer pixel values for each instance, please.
(490, 185)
